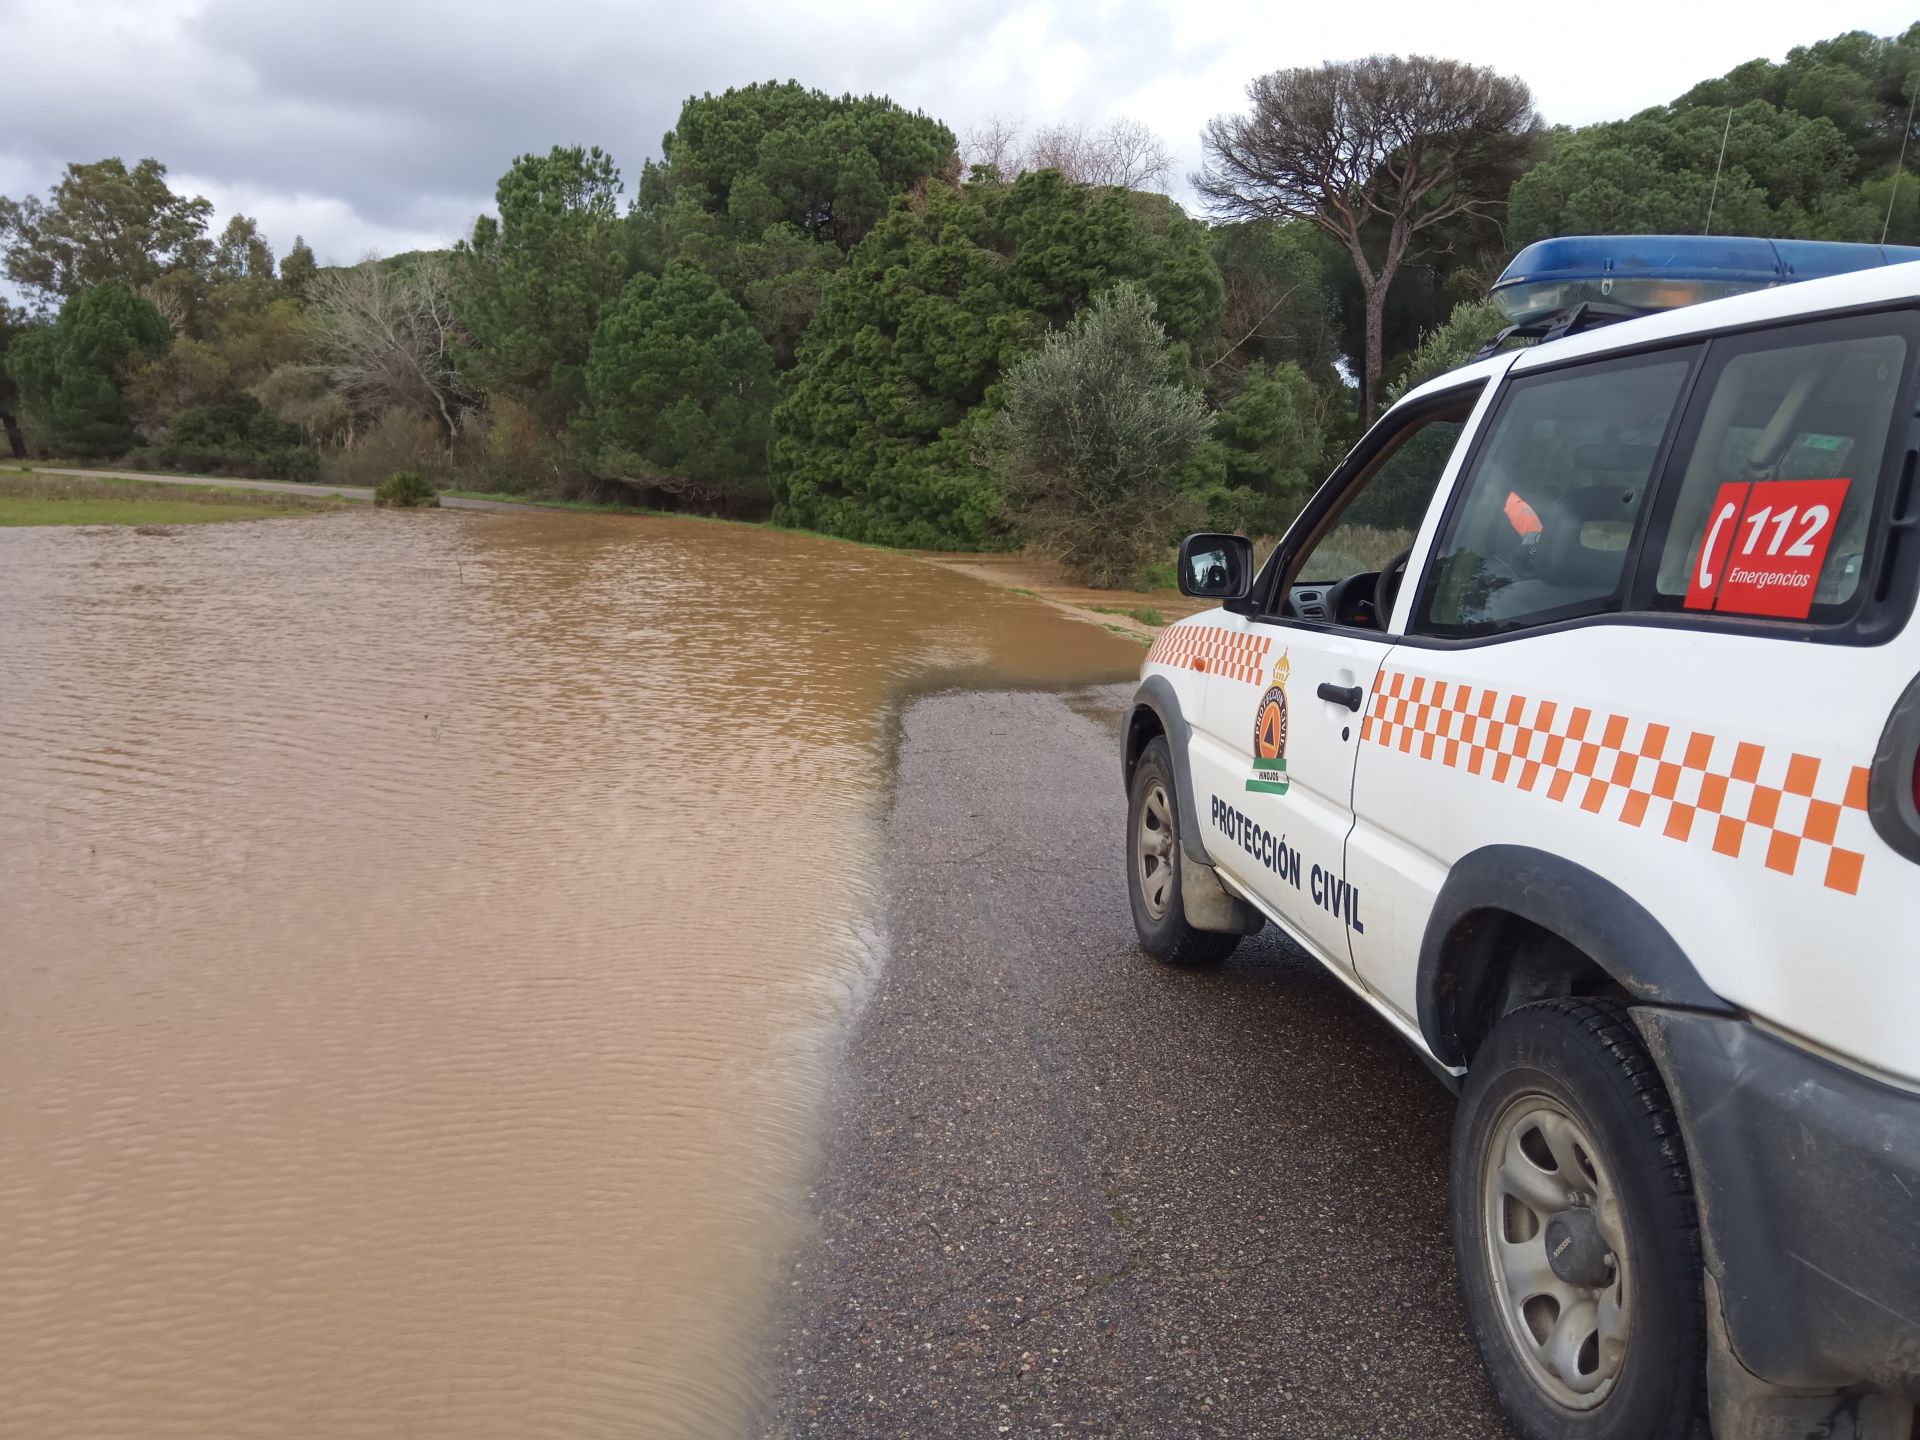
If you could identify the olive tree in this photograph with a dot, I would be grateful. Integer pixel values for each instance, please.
(1094, 425)
(1374, 152)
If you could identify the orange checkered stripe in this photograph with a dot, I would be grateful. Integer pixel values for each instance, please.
(1208, 648)
(1785, 809)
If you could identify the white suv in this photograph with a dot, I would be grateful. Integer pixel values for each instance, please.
(1574, 726)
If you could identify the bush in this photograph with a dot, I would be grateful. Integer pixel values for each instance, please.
(396, 441)
(499, 447)
(1092, 428)
(302, 395)
(406, 490)
(1447, 347)
(235, 435)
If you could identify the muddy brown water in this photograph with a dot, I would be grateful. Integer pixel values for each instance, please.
(422, 944)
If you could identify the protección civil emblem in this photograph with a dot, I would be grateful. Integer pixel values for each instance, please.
(1270, 734)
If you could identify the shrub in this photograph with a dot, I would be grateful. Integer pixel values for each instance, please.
(1448, 346)
(235, 435)
(159, 386)
(406, 490)
(499, 447)
(396, 441)
(302, 395)
(1092, 427)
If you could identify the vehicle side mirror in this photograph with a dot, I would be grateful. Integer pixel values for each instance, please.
(1216, 567)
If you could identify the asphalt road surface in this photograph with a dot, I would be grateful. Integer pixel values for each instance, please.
(1070, 1192)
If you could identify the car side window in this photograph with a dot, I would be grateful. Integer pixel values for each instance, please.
(1372, 524)
(1542, 526)
(1386, 510)
(1779, 470)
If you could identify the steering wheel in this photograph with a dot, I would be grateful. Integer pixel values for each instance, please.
(1350, 601)
(1384, 587)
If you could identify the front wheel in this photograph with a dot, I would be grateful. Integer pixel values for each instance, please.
(1154, 866)
(1575, 1230)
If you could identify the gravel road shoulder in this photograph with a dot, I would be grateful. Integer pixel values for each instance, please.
(1069, 1192)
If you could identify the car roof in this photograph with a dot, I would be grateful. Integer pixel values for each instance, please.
(1487, 369)
(1859, 289)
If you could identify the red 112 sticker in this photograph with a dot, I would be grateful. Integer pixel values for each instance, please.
(1764, 545)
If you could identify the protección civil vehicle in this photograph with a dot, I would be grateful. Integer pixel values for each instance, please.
(1575, 726)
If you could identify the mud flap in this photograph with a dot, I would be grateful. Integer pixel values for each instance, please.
(1208, 906)
(1745, 1407)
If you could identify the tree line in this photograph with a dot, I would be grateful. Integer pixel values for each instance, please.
(833, 311)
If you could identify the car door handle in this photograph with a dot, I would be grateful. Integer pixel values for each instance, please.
(1347, 695)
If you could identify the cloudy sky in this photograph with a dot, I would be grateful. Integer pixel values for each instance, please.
(382, 125)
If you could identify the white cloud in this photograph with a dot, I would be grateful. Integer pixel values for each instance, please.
(338, 233)
(383, 124)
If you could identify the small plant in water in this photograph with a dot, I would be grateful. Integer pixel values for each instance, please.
(406, 489)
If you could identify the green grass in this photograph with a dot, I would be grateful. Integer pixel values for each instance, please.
(27, 498)
(1145, 614)
(15, 512)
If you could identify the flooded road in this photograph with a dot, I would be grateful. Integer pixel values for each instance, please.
(422, 941)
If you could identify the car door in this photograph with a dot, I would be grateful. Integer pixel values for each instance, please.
(1661, 684)
(1272, 756)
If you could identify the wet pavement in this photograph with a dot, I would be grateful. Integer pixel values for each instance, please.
(1070, 1192)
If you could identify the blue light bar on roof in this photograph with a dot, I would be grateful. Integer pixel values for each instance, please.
(1664, 272)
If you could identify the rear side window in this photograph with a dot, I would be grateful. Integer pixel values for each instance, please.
(1543, 527)
(1777, 478)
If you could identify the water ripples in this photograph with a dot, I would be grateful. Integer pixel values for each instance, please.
(420, 942)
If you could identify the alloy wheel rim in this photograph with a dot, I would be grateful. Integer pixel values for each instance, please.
(1556, 1251)
(1153, 851)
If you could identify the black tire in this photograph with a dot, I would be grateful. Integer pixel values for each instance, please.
(1585, 1058)
(1166, 936)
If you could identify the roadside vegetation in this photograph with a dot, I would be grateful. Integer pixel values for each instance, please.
(32, 498)
(406, 490)
(836, 314)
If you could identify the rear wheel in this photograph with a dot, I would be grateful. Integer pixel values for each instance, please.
(1154, 866)
(1575, 1230)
